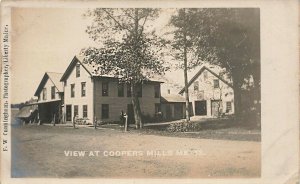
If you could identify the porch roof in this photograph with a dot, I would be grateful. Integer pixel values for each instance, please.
(26, 111)
(44, 102)
(172, 98)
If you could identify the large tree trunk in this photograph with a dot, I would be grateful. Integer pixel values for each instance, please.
(135, 99)
(237, 100)
(186, 89)
(136, 107)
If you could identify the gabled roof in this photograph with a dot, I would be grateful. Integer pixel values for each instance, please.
(54, 78)
(90, 68)
(199, 73)
(73, 63)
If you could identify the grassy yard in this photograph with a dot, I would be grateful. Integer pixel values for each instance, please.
(40, 151)
(210, 129)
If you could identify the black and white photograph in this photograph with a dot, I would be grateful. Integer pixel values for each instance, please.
(124, 92)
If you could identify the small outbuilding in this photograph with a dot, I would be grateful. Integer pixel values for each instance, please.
(172, 106)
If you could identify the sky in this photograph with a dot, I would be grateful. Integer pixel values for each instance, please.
(46, 40)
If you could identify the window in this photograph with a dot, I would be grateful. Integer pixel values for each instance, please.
(75, 110)
(77, 70)
(120, 90)
(44, 94)
(157, 91)
(72, 90)
(83, 88)
(105, 111)
(84, 111)
(53, 92)
(200, 95)
(205, 75)
(104, 88)
(169, 92)
(228, 106)
(216, 83)
(139, 90)
(157, 108)
(128, 90)
(196, 86)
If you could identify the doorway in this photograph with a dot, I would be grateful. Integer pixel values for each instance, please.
(69, 112)
(200, 108)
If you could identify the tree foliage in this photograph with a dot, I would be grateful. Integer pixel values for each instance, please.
(229, 38)
(132, 55)
(130, 49)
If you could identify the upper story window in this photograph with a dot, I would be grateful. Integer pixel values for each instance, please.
(120, 89)
(157, 91)
(44, 94)
(72, 90)
(83, 89)
(200, 95)
(196, 86)
(139, 90)
(78, 70)
(104, 88)
(128, 90)
(216, 83)
(205, 75)
(53, 92)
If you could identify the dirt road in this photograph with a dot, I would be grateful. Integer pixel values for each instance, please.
(45, 151)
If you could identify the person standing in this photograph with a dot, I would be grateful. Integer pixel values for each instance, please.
(95, 123)
(122, 118)
(74, 120)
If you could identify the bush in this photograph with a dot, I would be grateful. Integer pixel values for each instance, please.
(184, 126)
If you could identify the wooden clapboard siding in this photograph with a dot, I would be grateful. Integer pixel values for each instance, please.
(117, 104)
(206, 85)
(78, 99)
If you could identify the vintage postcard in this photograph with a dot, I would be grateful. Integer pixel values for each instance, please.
(149, 92)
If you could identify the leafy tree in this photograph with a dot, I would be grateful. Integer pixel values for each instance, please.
(182, 45)
(230, 38)
(130, 49)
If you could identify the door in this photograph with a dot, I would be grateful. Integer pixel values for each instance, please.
(69, 112)
(130, 114)
(200, 108)
(178, 110)
(168, 111)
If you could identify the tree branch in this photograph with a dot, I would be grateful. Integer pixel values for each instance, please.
(117, 22)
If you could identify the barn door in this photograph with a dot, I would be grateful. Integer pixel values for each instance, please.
(200, 108)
